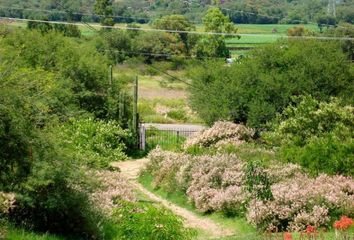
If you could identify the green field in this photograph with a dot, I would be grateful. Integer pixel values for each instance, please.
(263, 34)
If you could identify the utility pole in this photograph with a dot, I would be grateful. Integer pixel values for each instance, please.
(121, 106)
(332, 8)
(135, 106)
(110, 79)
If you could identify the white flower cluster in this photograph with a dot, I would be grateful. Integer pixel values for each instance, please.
(7, 202)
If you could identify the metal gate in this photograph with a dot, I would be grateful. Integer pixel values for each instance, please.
(151, 136)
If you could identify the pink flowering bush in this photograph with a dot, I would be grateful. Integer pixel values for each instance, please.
(221, 133)
(111, 187)
(301, 201)
(219, 183)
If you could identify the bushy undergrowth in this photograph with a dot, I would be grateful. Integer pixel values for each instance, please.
(316, 135)
(278, 197)
(95, 143)
(145, 221)
(221, 133)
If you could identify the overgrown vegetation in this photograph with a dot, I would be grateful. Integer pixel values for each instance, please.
(262, 85)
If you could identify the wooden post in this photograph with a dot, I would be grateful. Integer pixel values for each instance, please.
(135, 106)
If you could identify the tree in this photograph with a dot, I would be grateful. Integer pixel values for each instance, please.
(262, 85)
(214, 45)
(180, 23)
(105, 10)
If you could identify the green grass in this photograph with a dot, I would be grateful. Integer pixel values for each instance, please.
(19, 234)
(164, 110)
(239, 225)
(167, 140)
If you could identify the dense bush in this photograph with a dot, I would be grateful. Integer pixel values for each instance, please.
(221, 133)
(50, 198)
(146, 221)
(45, 81)
(276, 197)
(316, 135)
(76, 66)
(261, 86)
(95, 143)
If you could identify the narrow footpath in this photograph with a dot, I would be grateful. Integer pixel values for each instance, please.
(131, 169)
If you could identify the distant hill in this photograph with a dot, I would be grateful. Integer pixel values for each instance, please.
(240, 11)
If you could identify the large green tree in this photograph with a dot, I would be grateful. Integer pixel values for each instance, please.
(262, 85)
(105, 10)
(213, 45)
(178, 23)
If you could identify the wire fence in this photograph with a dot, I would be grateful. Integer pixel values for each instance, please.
(167, 139)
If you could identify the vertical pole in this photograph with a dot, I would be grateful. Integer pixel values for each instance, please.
(110, 79)
(121, 106)
(135, 106)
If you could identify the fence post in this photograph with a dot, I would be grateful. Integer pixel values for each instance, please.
(142, 137)
(177, 137)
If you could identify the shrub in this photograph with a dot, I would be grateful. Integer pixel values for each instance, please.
(95, 143)
(277, 197)
(261, 86)
(301, 201)
(49, 201)
(7, 201)
(178, 114)
(146, 221)
(221, 133)
(110, 187)
(316, 135)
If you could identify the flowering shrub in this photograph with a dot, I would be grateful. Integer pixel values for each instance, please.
(343, 224)
(220, 133)
(301, 201)
(219, 183)
(112, 186)
(7, 201)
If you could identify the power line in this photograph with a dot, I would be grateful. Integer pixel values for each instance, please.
(93, 14)
(181, 31)
(154, 19)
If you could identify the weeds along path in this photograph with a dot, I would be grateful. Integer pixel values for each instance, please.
(131, 169)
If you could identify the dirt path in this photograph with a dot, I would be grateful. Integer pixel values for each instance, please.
(130, 170)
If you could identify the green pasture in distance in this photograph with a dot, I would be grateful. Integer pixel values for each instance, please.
(268, 28)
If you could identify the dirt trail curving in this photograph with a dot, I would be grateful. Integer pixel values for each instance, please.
(131, 169)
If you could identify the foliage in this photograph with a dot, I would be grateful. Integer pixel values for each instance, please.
(146, 221)
(221, 133)
(95, 143)
(105, 10)
(214, 45)
(77, 67)
(261, 86)
(299, 31)
(67, 30)
(285, 199)
(180, 23)
(316, 135)
(344, 30)
(7, 201)
(48, 201)
(259, 12)
(257, 182)
(20, 234)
